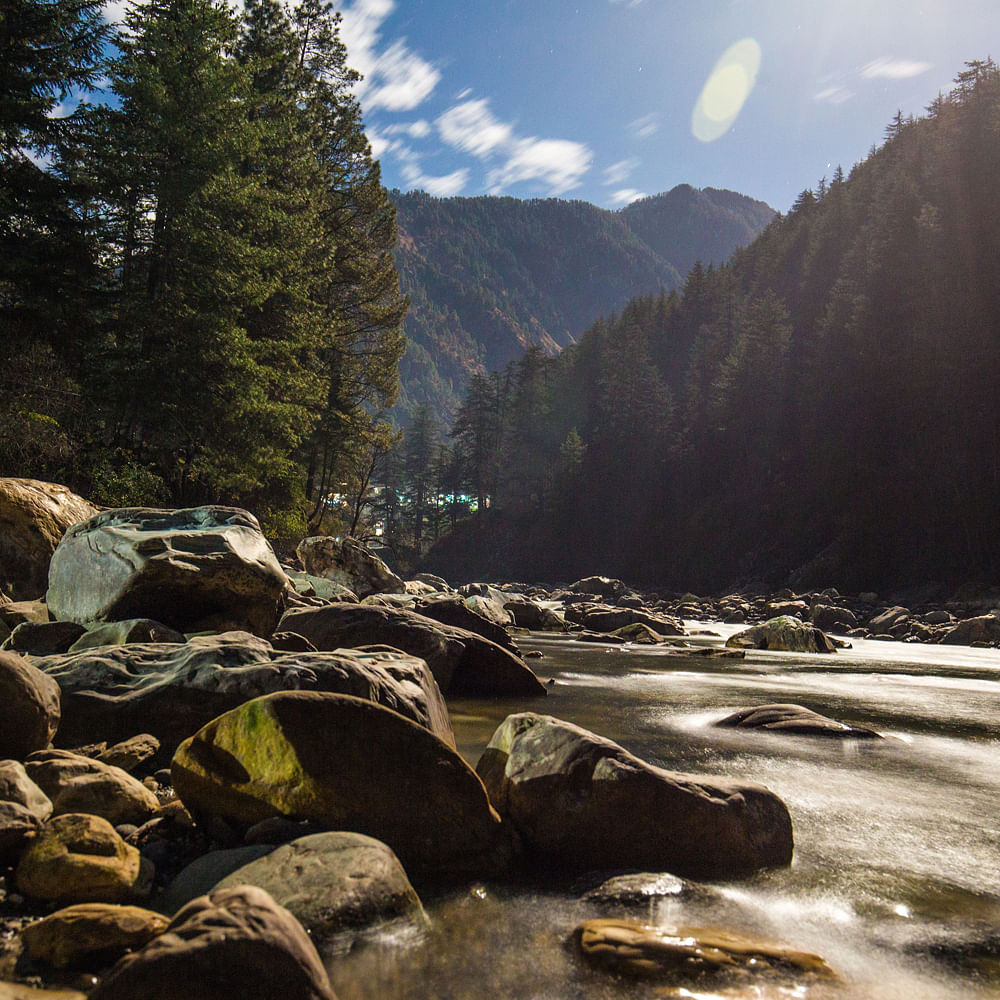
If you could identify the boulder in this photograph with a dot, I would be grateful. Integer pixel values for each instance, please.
(130, 753)
(33, 518)
(462, 662)
(40, 638)
(15, 613)
(318, 586)
(170, 691)
(793, 608)
(91, 934)
(602, 586)
(785, 634)
(578, 801)
(345, 764)
(888, 621)
(688, 954)
(454, 610)
(24, 807)
(333, 883)
(199, 569)
(493, 610)
(79, 858)
(125, 632)
(78, 784)
(640, 889)
(18, 991)
(29, 707)
(349, 563)
(796, 720)
(830, 618)
(532, 615)
(205, 872)
(982, 629)
(604, 619)
(416, 588)
(437, 583)
(234, 944)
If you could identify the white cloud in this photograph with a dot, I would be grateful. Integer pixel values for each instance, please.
(473, 128)
(645, 126)
(395, 78)
(893, 69)
(558, 163)
(834, 95)
(626, 196)
(445, 186)
(627, 3)
(617, 172)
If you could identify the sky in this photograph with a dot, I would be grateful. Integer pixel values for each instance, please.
(611, 100)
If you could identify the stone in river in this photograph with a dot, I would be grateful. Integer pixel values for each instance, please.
(784, 633)
(580, 802)
(797, 720)
(29, 707)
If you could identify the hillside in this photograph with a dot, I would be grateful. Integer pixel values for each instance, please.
(823, 410)
(487, 277)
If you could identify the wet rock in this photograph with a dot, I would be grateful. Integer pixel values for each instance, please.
(641, 889)
(786, 634)
(579, 802)
(198, 569)
(24, 807)
(688, 953)
(122, 633)
(43, 637)
(639, 633)
(333, 882)
(34, 515)
(170, 691)
(78, 784)
(463, 663)
(796, 720)
(346, 764)
(91, 934)
(29, 707)
(234, 944)
(79, 858)
(349, 563)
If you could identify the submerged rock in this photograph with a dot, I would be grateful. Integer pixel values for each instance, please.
(688, 953)
(785, 634)
(202, 568)
(345, 764)
(795, 719)
(579, 802)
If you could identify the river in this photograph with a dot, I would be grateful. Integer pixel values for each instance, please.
(896, 874)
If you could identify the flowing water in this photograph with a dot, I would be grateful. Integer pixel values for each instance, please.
(896, 875)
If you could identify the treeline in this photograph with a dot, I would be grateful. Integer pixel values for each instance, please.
(198, 297)
(825, 409)
(488, 277)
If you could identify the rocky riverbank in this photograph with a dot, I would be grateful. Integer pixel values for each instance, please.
(215, 767)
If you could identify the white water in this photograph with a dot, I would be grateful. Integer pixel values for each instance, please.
(896, 875)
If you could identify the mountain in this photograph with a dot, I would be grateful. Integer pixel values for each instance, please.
(487, 277)
(822, 410)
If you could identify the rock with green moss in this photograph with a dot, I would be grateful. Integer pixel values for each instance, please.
(784, 634)
(344, 763)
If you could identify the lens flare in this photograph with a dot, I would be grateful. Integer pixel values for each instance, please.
(726, 90)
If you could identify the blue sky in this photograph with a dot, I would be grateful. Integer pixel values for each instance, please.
(596, 99)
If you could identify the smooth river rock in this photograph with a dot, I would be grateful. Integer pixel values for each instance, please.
(171, 690)
(580, 802)
(463, 663)
(234, 944)
(794, 719)
(344, 763)
(349, 563)
(29, 707)
(197, 569)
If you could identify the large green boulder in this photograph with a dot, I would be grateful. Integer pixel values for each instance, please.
(580, 802)
(346, 764)
(784, 634)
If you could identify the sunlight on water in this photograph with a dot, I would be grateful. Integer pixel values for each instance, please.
(895, 880)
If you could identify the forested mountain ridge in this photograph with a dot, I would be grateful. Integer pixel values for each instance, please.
(487, 277)
(823, 410)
